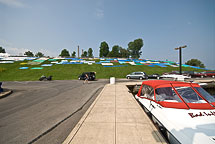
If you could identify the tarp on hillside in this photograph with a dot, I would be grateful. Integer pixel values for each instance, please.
(22, 68)
(34, 68)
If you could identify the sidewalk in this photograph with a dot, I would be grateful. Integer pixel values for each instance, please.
(114, 118)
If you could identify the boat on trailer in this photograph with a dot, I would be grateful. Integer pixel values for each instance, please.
(184, 110)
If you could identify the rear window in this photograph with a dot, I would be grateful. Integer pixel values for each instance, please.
(189, 95)
(138, 73)
(166, 94)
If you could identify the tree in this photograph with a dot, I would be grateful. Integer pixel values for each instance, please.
(90, 52)
(74, 54)
(114, 52)
(2, 50)
(104, 49)
(39, 54)
(124, 53)
(64, 53)
(84, 55)
(135, 47)
(195, 62)
(29, 54)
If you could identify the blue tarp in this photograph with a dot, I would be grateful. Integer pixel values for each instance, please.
(110, 59)
(122, 62)
(47, 65)
(23, 68)
(127, 60)
(37, 68)
(104, 61)
(151, 65)
(73, 59)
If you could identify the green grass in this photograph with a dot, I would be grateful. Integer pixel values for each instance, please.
(11, 72)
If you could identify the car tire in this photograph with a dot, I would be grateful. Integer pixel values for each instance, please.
(128, 77)
(213, 76)
(140, 78)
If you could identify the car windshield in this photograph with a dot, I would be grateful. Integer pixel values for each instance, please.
(205, 94)
(189, 95)
(166, 94)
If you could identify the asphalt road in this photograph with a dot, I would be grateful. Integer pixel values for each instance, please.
(44, 112)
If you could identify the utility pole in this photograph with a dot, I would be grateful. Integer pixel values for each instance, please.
(179, 48)
(78, 51)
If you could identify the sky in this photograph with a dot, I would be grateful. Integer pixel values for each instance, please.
(49, 26)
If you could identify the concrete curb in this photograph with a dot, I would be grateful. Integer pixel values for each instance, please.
(79, 124)
(5, 93)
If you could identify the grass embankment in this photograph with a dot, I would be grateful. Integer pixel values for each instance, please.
(11, 72)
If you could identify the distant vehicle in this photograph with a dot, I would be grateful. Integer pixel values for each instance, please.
(185, 73)
(154, 76)
(209, 74)
(137, 75)
(175, 76)
(44, 78)
(205, 74)
(1, 89)
(91, 75)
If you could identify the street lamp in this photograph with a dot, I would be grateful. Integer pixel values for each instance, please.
(179, 48)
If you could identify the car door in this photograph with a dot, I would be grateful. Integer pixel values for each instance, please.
(137, 75)
(133, 75)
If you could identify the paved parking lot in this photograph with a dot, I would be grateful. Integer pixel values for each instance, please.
(44, 112)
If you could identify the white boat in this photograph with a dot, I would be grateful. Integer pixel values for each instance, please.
(175, 76)
(184, 110)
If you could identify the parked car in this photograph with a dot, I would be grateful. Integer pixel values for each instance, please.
(91, 75)
(154, 76)
(205, 74)
(210, 74)
(44, 78)
(137, 75)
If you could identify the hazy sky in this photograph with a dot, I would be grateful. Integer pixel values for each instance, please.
(52, 25)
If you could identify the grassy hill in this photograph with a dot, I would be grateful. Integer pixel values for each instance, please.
(11, 72)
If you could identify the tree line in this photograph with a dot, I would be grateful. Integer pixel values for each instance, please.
(133, 51)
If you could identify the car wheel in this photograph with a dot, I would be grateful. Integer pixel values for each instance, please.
(141, 78)
(213, 76)
(202, 76)
(128, 77)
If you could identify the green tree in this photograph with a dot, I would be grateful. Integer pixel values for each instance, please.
(104, 49)
(29, 54)
(73, 54)
(90, 53)
(2, 50)
(39, 54)
(64, 53)
(84, 55)
(114, 52)
(124, 53)
(135, 48)
(195, 62)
